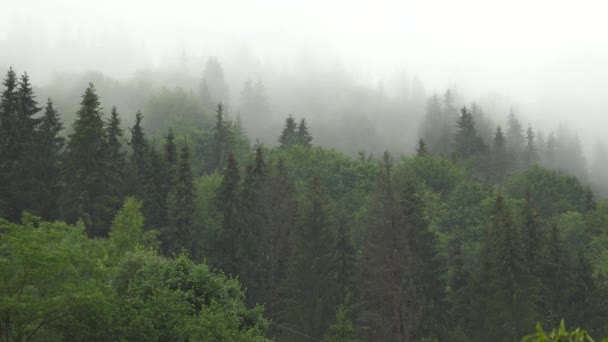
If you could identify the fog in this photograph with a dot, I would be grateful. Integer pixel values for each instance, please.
(545, 59)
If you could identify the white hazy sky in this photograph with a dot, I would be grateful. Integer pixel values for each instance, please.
(549, 57)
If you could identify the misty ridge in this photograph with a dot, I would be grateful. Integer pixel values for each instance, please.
(341, 104)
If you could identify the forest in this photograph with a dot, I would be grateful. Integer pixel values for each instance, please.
(190, 220)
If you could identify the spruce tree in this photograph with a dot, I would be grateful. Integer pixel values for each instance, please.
(458, 290)
(421, 150)
(555, 279)
(227, 203)
(512, 312)
(116, 158)
(310, 278)
(288, 136)
(401, 271)
(427, 303)
(220, 137)
(303, 137)
(145, 168)
(432, 126)
(530, 152)
(467, 143)
(85, 175)
(515, 139)
(342, 330)
(19, 124)
(181, 208)
(48, 170)
(499, 159)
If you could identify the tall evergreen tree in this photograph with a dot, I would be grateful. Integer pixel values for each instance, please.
(310, 277)
(116, 157)
(19, 107)
(228, 203)
(467, 143)
(555, 279)
(421, 150)
(145, 169)
(289, 136)
(515, 139)
(530, 152)
(86, 194)
(500, 160)
(511, 311)
(303, 136)
(48, 170)
(401, 284)
(220, 138)
(181, 207)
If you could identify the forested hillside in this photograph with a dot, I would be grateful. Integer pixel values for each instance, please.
(170, 223)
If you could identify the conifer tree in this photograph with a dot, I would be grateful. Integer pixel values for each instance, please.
(421, 150)
(86, 194)
(303, 136)
(530, 153)
(288, 136)
(512, 310)
(146, 173)
(228, 202)
(310, 277)
(459, 294)
(434, 126)
(220, 137)
(345, 259)
(342, 330)
(515, 139)
(427, 302)
(170, 159)
(555, 279)
(500, 158)
(48, 170)
(181, 208)
(116, 157)
(467, 143)
(19, 107)
(551, 151)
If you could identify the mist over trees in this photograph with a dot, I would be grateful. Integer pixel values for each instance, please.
(476, 233)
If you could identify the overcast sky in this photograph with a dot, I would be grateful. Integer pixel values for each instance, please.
(549, 57)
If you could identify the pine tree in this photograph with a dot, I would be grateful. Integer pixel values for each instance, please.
(342, 330)
(86, 194)
(19, 107)
(50, 146)
(303, 137)
(421, 150)
(467, 143)
(384, 264)
(530, 153)
(500, 159)
(515, 139)
(227, 203)
(551, 151)
(428, 307)
(181, 208)
(458, 276)
(434, 126)
(555, 279)
(219, 138)
(512, 310)
(145, 167)
(288, 136)
(345, 259)
(278, 213)
(116, 157)
(310, 277)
